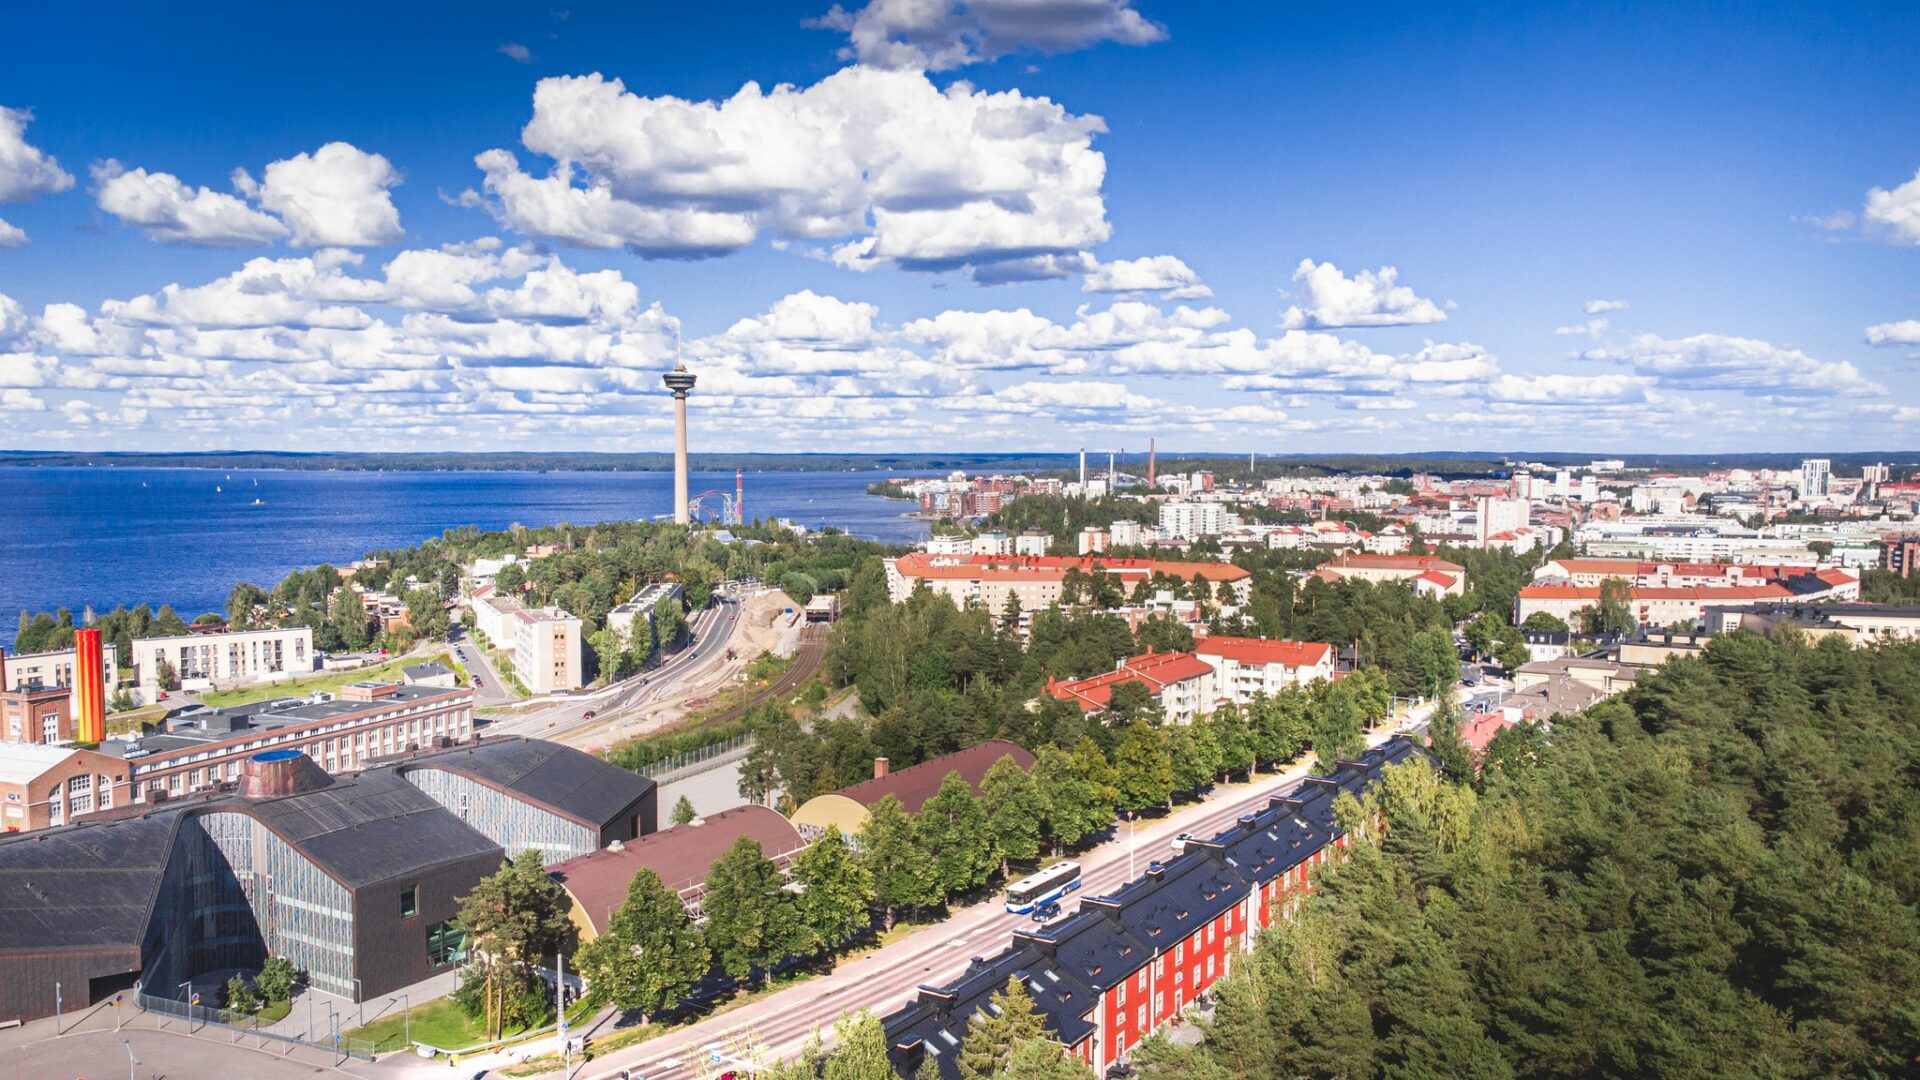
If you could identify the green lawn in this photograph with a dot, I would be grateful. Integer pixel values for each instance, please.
(439, 1022)
(273, 1012)
(387, 672)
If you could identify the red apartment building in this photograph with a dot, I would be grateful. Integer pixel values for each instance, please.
(1123, 964)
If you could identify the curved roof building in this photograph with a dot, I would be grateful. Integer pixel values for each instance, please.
(847, 807)
(681, 856)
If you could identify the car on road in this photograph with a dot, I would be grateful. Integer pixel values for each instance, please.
(588, 715)
(1180, 842)
(1048, 910)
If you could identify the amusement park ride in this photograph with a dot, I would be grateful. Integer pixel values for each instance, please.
(719, 505)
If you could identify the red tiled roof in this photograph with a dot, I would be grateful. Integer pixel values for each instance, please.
(681, 856)
(1256, 651)
(1479, 731)
(1359, 560)
(1655, 592)
(1155, 671)
(1031, 567)
(1445, 581)
(914, 785)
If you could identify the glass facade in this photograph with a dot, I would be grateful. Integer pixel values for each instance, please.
(507, 821)
(236, 893)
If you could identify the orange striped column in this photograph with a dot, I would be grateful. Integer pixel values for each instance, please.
(89, 688)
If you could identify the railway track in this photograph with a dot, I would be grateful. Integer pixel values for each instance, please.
(812, 653)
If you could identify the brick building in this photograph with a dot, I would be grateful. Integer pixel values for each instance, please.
(1123, 964)
(42, 785)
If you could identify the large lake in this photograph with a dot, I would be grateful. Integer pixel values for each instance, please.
(107, 536)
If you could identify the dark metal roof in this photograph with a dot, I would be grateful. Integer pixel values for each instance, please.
(577, 785)
(87, 886)
(1069, 963)
(366, 829)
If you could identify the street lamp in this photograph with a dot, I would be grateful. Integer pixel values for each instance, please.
(133, 1063)
(1130, 844)
(56, 1008)
(360, 1009)
(406, 1014)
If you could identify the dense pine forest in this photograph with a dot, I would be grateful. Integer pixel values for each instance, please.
(1717, 874)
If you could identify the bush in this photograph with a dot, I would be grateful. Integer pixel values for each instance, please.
(240, 997)
(276, 979)
(641, 753)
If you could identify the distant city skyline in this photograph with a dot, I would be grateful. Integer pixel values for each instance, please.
(949, 226)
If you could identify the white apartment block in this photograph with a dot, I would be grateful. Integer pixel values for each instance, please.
(991, 543)
(1192, 520)
(1816, 478)
(1032, 543)
(1498, 516)
(224, 660)
(547, 650)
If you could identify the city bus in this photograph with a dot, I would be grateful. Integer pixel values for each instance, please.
(1047, 885)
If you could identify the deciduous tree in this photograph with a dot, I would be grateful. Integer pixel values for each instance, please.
(650, 955)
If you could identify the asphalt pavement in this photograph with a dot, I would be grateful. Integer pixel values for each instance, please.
(713, 630)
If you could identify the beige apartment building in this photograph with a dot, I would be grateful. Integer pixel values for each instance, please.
(221, 661)
(20, 671)
(547, 650)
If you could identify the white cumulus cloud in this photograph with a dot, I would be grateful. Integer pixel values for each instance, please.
(1895, 212)
(336, 196)
(939, 35)
(1166, 275)
(1601, 307)
(900, 171)
(1904, 332)
(25, 170)
(1743, 365)
(1330, 299)
(173, 212)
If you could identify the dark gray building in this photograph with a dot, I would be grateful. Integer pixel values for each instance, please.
(356, 879)
(526, 793)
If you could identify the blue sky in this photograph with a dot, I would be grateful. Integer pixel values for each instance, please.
(990, 225)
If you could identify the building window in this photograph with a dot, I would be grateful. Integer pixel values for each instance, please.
(50, 728)
(446, 944)
(410, 901)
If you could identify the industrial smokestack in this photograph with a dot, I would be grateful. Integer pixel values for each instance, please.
(1083, 472)
(1110, 482)
(1150, 463)
(89, 688)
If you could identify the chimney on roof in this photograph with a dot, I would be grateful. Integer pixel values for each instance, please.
(615, 845)
(1154, 869)
(879, 768)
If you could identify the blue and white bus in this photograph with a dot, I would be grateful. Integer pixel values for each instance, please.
(1050, 884)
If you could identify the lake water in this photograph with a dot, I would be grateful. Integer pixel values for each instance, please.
(107, 536)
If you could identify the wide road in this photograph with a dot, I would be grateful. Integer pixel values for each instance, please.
(889, 977)
(713, 629)
(491, 688)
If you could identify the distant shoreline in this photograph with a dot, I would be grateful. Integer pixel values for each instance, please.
(1442, 463)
